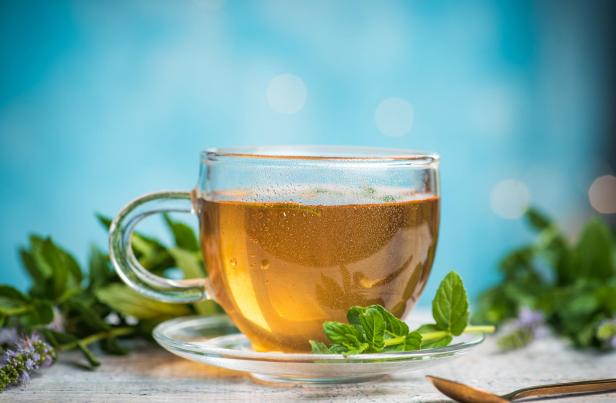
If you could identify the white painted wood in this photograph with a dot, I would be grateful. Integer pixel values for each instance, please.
(150, 374)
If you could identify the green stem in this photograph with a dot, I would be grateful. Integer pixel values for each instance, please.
(469, 329)
(120, 331)
(437, 335)
(394, 341)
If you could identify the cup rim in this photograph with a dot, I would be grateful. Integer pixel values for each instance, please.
(322, 153)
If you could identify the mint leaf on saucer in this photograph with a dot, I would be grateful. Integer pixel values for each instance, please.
(450, 305)
(373, 326)
(393, 325)
(318, 347)
(374, 329)
(345, 337)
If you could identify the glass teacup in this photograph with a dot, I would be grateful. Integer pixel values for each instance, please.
(295, 236)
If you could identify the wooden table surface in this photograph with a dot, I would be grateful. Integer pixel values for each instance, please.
(151, 374)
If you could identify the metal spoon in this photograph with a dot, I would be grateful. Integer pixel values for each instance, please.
(465, 393)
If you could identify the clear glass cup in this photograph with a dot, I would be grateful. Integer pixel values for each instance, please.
(293, 236)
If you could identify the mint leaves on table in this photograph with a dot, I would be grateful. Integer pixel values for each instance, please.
(373, 329)
(568, 287)
(74, 307)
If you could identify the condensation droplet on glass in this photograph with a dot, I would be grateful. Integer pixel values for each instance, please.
(233, 263)
(265, 264)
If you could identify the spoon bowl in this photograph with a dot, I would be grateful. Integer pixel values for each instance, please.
(469, 394)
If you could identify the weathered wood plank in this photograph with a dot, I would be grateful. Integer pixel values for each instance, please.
(151, 374)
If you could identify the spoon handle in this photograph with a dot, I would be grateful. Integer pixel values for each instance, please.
(570, 388)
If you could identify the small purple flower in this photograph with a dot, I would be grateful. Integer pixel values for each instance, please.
(35, 337)
(30, 364)
(23, 355)
(529, 318)
(7, 356)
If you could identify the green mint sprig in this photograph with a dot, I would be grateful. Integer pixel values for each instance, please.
(571, 286)
(75, 307)
(373, 329)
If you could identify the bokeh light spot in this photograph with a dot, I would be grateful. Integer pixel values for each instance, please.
(394, 117)
(602, 194)
(509, 198)
(286, 94)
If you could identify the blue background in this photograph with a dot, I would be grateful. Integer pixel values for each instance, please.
(101, 101)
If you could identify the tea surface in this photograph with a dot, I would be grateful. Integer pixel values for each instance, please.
(280, 269)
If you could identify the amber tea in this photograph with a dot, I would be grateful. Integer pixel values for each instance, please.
(280, 269)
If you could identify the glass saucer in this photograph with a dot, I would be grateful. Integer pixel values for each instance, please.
(215, 341)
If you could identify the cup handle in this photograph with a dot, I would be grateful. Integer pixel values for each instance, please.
(126, 264)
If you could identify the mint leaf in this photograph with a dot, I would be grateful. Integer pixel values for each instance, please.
(103, 220)
(189, 262)
(55, 264)
(436, 343)
(35, 251)
(342, 333)
(13, 295)
(319, 347)
(428, 328)
(373, 326)
(363, 347)
(340, 349)
(40, 312)
(572, 286)
(412, 341)
(100, 272)
(347, 340)
(89, 316)
(450, 305)
(374, 329)
(129, 302)
(353, 315)
(393, 325)
(96, 312)
(537, 219)
(44, 311)
(594, 252)
(432, 328)
(36, 272)
(183, 235)
(518, 338)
